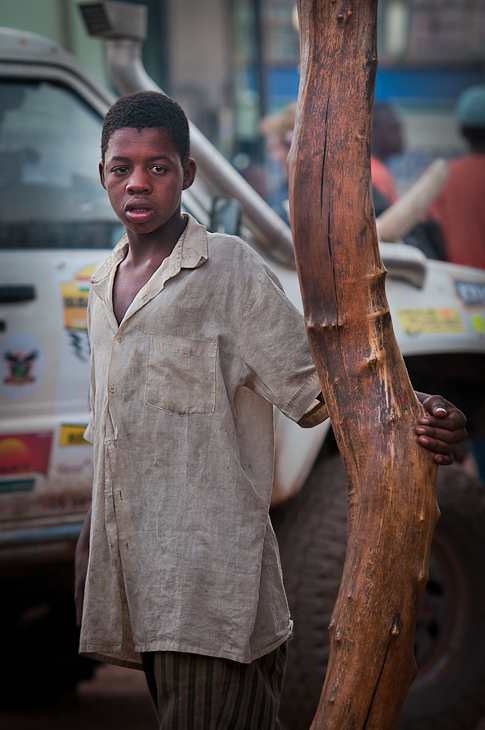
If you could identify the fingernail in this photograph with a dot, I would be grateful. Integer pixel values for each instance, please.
(423, 440)
(420, 430)
(440, 410)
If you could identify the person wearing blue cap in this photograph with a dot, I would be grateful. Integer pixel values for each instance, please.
(460, 207)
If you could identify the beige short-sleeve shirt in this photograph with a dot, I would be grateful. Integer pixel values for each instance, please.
(182, 553)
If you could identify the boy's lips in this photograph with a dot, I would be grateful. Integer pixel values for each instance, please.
(139, 212)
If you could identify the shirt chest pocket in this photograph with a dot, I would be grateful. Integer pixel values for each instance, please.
(181, 375)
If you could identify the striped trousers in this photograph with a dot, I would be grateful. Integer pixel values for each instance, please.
(193, 692)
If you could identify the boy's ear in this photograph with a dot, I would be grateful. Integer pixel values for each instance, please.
(101, 174)
(190, 168)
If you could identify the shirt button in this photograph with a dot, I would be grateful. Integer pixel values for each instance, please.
(112, 388)
(120, 338)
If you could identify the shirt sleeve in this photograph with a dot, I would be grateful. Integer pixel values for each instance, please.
(276, 351)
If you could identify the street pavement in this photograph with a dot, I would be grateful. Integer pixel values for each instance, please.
(116, 699)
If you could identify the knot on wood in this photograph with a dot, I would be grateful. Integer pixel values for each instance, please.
(344, 16)
(422, 577)
(397, 625)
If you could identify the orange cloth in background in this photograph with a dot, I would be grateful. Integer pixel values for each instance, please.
(383, 179)
(460, 211)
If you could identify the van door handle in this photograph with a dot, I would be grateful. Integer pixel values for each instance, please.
(10, 294)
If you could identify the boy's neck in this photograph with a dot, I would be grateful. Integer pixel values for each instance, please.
(157, 245)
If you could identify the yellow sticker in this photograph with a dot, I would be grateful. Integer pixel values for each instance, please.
(75, 298)
(430, 321)
(478, 323)
(72, 435)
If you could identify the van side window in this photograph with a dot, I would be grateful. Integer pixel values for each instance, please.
(50, 194)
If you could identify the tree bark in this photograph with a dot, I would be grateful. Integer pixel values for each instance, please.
(374, 413)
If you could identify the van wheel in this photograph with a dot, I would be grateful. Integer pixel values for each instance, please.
(449, 691)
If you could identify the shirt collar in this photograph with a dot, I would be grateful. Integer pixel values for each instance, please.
(190, 252)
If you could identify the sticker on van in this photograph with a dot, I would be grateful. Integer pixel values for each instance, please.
(75, 302)
(75, 299)
(431, 321)
(73, 278)
(25, 453)
(22, 366)
(471, 293)
(73, 435)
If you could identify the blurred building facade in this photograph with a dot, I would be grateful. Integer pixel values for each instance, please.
(231, 62)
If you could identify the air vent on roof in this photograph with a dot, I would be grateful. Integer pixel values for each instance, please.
(115, 20)
(96, 19)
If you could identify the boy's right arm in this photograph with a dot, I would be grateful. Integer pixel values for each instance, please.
(81, 566)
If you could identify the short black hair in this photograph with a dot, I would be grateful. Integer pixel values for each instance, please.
(145, 109)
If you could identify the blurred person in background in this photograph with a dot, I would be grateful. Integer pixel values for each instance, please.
(387, 140)
(459, 209)
(278, 130)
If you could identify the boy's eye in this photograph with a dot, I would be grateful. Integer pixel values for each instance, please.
(159, 168)
(120, 170)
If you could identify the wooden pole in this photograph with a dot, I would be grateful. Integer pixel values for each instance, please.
(392, 504)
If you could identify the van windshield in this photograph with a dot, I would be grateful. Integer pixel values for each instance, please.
(50, 194)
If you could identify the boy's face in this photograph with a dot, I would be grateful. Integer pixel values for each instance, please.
(144, 177)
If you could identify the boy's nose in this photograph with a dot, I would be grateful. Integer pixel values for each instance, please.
(138, 182)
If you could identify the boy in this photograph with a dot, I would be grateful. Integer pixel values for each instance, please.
(192, 342)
